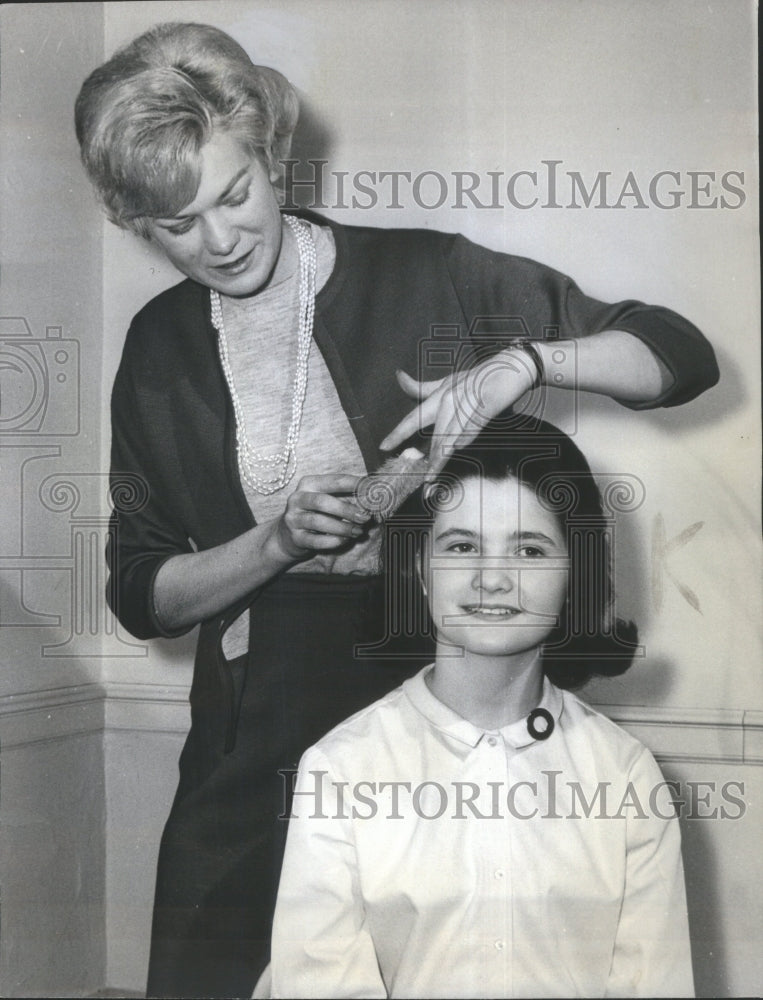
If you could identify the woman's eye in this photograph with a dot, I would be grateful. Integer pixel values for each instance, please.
(237, 199)
(180, 229)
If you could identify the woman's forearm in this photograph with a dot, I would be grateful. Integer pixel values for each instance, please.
(612, 363)
(192, 587)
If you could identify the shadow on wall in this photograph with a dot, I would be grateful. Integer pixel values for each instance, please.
(313, 140)
(648, 681)
(709, 957)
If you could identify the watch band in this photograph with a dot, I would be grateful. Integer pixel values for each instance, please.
(529, 348)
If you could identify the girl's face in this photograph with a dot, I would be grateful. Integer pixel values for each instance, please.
(497, 570)
(229, 237)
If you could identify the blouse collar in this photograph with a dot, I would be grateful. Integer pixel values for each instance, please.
(515, 734)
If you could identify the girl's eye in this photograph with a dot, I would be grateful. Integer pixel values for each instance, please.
(461, 547)
(531, 552)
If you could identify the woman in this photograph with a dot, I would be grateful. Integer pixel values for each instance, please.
(251, 398)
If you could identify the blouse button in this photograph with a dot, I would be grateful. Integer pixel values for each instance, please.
(492, 741)
(499, 873)
(499, 945)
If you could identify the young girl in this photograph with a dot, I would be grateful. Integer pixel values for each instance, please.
(481, 831)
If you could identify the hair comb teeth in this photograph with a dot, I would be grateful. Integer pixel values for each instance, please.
(382, 492)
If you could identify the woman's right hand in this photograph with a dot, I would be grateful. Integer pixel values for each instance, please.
(320, 516)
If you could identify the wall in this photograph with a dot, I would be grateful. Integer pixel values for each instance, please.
(447, 86)
(52, 859)
(443, 87)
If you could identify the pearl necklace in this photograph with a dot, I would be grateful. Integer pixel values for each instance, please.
(267, 474)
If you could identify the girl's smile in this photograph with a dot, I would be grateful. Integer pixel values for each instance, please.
(492, 610)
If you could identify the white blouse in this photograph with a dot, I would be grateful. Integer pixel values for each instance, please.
(429, 858)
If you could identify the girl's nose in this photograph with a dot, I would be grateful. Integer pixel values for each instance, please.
(220, 238)
(494, 579)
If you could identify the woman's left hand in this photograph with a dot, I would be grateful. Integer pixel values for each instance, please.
(458, 405)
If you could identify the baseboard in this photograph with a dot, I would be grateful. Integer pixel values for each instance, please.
(48, 716)
(114, 991)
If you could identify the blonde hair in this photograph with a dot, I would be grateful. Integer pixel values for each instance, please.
(143, 116)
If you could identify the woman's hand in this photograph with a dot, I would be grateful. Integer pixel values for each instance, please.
(613, 363)
(320, 516)
(460, 404)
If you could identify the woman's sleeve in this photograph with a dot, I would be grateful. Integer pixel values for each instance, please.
(541, 302)
(321, 944)
(142, 532)
(652, 953)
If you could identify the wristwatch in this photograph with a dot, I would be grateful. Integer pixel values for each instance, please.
(558, 366)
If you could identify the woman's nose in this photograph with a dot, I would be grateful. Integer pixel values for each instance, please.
(220, 238)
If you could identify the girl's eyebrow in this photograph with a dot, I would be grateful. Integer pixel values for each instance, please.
(461, 532)
(533, 536)
(521, 536)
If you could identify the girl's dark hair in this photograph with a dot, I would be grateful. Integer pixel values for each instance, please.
(589, 639)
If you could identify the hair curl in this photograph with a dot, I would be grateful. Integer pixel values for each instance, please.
(589, 640)
(143, 116)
